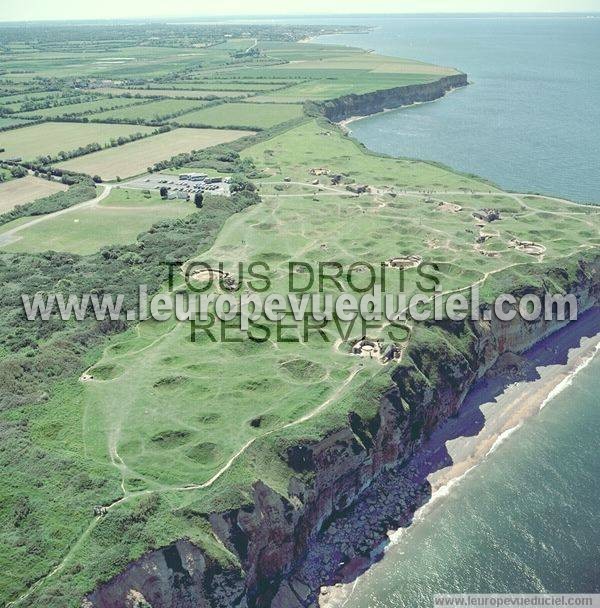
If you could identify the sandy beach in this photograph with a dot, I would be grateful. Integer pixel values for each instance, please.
(492, 413)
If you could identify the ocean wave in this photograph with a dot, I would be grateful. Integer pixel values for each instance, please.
(443, 491)
(563, 384)
(503, 437)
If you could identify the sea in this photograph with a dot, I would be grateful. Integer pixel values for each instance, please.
(526, 519)
(529, 121)
(523, 520)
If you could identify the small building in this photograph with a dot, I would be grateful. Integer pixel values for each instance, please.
(357, 188)
(193, 177)
(487, 215)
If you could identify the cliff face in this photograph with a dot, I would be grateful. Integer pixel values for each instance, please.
(177, 576)
(272, 533)
(377, 101)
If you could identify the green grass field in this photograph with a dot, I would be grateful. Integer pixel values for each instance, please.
(248, 115)
(52, 137)
(262, 388)
(207, 421)
(11, 122)
(234, 85)
(81, 108)
(133, 159)
(14, 101)
(117, 219)
(125, 62)
(323, 87)
(197, 423)
(296, 151)
(154, 110)
(22, 102)
(165, 92)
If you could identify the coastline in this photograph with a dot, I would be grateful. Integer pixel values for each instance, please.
(343, 124)
(399, 457)
(506, 400)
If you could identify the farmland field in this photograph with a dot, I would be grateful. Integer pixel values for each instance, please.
(325, 88)
(118, 219)
(249, 115)
(115, 62)
(52, 137)
(233, 85)
(83, 107)
(198, 94)
(155, 110)
(17, 99)
(11, 122)
(121, 437)
(19, 103)
(132, 159)
(24, 190)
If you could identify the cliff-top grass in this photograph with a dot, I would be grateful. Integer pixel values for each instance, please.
(189, 424)
(197, 422)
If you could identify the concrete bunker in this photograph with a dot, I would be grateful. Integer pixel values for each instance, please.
(224, 278)
(367, 347)
(403, 262)
(528, 247)
(449, 207)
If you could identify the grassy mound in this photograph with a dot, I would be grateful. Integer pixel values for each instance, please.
(302, 369)
(205, 453)
(170, 438)
(106, 371)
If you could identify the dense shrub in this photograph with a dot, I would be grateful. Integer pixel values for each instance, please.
(37, 353)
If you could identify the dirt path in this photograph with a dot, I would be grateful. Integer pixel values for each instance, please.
(9, 236)
(122, 466)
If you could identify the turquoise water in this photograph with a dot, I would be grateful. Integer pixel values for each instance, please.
(526, 519)
(531, 119)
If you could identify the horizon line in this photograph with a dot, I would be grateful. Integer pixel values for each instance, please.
(296, 15)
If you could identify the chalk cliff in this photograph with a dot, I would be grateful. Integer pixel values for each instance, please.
(271, 534)
(371, 103)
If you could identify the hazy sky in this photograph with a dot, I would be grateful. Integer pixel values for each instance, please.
(11, 10)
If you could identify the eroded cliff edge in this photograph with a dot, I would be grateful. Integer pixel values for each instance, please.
(366, 104)
(271, 533)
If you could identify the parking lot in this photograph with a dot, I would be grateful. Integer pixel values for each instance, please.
(177, 186)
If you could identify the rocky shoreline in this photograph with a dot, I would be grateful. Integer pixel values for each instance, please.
(357, 106)
(348, 489)
(345, 124)
(496, 406)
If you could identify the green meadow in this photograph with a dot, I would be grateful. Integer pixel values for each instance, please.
(242, 115)
(50, 138)
(75, 109)
(163, 425)
(116, 220)
(170, 413)
(155, 110)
